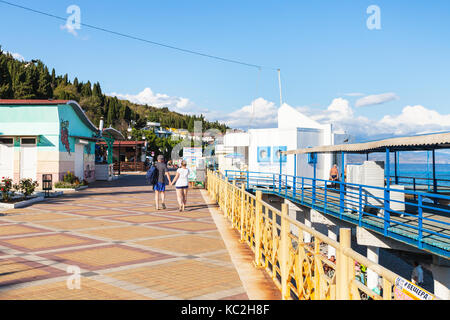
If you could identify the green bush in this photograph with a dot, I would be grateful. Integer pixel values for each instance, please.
(68, 185)
(69, 177)
(5, 188)
(27, 186)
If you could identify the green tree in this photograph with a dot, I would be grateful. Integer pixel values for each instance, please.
(5, 79)
(86, 90)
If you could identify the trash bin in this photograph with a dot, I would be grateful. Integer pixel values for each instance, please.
(47, 184)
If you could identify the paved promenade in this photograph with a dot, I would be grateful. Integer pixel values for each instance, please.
(124, 248)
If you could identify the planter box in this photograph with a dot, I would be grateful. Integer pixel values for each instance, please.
(21, 203)
(69, 190)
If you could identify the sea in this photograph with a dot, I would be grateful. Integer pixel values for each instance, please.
(423, 173)
(423, 170)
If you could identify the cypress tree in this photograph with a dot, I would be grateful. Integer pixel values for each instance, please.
(44, 90)
(76, 84)
(5, 79)
(53, 79)
(86, 90)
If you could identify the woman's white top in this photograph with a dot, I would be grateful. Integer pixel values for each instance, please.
(183, 175)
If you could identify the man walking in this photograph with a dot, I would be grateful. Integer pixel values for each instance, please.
(160, 186)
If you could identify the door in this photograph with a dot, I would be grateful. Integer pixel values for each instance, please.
(28, 159)
(6, 158)
(79, 161)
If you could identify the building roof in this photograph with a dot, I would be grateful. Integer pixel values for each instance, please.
(114, 133)
(32, 102)
(40, 102)
(413, 143)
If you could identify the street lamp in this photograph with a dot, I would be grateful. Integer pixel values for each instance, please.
(135, 146)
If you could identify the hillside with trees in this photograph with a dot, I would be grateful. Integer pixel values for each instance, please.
(33, 80)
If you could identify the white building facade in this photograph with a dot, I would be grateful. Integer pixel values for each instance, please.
(258, 150)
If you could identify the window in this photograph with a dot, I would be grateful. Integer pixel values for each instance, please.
(28, 141)
(6, 140)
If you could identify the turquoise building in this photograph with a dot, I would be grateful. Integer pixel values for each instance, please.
(46, 137)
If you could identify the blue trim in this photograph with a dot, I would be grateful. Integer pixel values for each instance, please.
(387, 193)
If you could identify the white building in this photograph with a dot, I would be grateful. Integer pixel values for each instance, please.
(258, 149)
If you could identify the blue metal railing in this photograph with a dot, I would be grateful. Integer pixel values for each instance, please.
(413, 217)
(422, 183)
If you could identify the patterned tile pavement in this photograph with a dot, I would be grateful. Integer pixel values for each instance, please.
(112, 240)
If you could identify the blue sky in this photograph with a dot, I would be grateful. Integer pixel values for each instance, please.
(324, 50)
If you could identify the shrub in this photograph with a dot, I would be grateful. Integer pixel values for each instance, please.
(63, 184)
(5, 188)
(27, 186)
(67, 185)
(69, 177)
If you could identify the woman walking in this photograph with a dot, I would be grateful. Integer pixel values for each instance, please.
(181, 184)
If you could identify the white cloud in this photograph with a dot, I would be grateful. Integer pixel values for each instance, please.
(16, 55)
(260, 113)
(160, 100)
(376, 99)
(412, 120)
(338, 110)
(417, 119)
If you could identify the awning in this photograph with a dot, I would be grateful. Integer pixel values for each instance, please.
(413, 143)
(116, 134)
(86, 138)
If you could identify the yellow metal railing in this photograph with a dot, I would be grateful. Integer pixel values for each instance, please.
(299, 269)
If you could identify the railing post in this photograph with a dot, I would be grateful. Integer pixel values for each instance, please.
(317, 288)
(342, 266)
(258, 233)
(360, 206)
(274, 239)
(387, 289)
(284, 251)
(420, 222)
(242, 211)
(303, 189)
(248, 178)
(225, 194)
(279, 183)
(286, 186)
(273, 180)
(325, 198)
(233, 204)
(414, 188)
(294, 187)
(387, 213)
(341, 199)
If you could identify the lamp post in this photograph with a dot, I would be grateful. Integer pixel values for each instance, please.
(119, 158)
(135, 146)
(144, 138)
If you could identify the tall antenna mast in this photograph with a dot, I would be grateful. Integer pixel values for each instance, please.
(279, 85)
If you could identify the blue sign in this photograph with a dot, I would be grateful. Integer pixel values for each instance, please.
(277, 154)
(263, 154)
